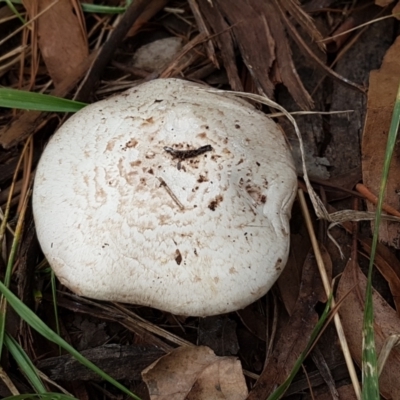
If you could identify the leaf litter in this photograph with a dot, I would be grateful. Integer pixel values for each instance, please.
(65, 53)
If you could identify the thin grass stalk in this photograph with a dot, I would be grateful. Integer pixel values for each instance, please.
(3, 225)
(10, 263)
(54, 295)
(328, 291)
(43, 396)
(15, 11)
(7, 278)
(370, 376)
(8, 382)
(26, 173)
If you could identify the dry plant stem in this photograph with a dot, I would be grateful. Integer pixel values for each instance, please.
(328, 290)
(34, 54)
(176, 66)
(270, 338)
(28, 157)
(10, 263)
(390, 342)
(29, 22)
(301, 43)
(109, 48)
(3, 225)
(203, 29)
(51, 382)
(152, 328)
(361, 188)
(344, 50)
(308, 382)
(8, 382)
(330, 38)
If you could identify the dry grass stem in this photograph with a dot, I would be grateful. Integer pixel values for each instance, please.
(328, 290)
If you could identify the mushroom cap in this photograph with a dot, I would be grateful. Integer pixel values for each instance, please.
(120, 218)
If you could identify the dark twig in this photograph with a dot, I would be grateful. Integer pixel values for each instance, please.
(107, 51)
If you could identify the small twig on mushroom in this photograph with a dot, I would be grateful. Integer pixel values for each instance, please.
(184, 154)
(171, 193)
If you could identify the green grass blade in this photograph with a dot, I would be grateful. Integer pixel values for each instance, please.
(21, 99)
(54, 295)
(15, 11)
(9, 268)
(370, 377)
(24, 363)
(99, 9)
(44, 396)
(86, 7)
(36, 323)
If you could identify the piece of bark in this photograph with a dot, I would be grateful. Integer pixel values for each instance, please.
(120, 362)
(224, 41)
(254, 40)
(202, 27)
(284, 61)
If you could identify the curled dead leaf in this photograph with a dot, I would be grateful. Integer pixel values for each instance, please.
(195, 373)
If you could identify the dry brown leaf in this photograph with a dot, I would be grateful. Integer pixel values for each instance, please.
(383, 3)
(383, 84)
(61, 38)
(353, 282)
(294, 336)
(345, 393)
(195, 373)
(396, 10)
(389, 266)
(386, 262)
(289, 281)
(254, 321)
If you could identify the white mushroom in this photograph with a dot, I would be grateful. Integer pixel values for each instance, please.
(122, 214)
